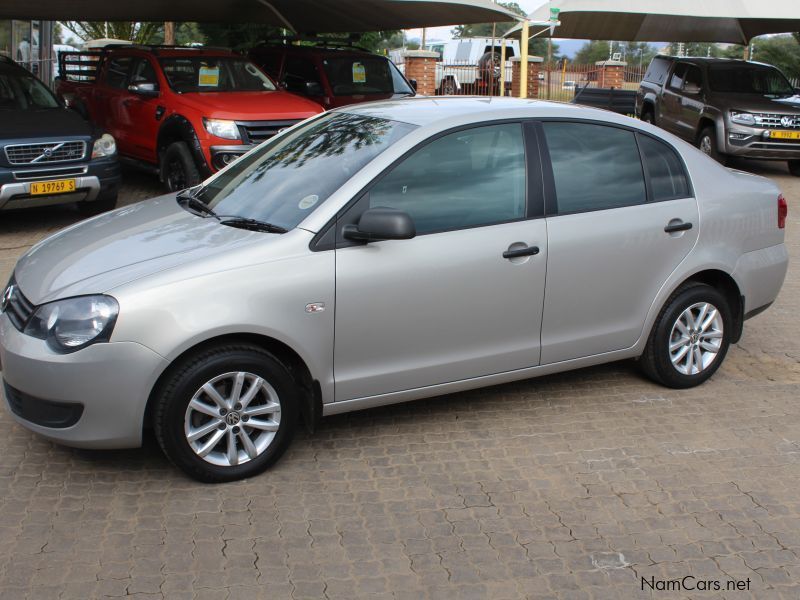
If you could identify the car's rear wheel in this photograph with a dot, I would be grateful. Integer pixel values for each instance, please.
(707, 143)
(690, 337)
(226, 413)
(648, 116)
(448, 87)
(794, 167)
(179, 169)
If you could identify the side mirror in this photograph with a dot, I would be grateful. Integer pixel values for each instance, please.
(413, 83)
(144, 88)
(378, 224)
(313, 88)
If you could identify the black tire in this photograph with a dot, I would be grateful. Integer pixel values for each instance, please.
(448, 87)
(178, 169)
(648, 116)
(489, 66)
(707, 143)
(794, 167)
(188, 377)
(656, 361)
(98, 206)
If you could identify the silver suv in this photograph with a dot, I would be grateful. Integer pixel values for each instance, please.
(725, 107)
(382, 253)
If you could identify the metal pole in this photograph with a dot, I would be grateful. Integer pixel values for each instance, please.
(523, 62)
(491, 73)
(503, 66)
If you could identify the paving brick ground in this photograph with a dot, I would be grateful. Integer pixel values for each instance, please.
(571, 486)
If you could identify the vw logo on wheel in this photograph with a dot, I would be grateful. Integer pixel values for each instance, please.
(232, 418)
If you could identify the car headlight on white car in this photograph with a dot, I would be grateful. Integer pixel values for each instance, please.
(104, 146)
(227, 130)
(743, 118)
(74, 323)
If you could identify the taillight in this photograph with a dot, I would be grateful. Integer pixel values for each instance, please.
(783, 211)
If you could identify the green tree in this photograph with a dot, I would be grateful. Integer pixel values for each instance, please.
(594, 51)
(134, 31)
(485, 29)
(783, 51)
(238, 36)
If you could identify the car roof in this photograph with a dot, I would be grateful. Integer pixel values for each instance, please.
(711, 60)
(427, 110)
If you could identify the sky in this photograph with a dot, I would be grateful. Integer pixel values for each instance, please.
(443, 33)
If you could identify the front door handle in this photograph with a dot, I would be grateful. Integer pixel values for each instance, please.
(529, 251)
(679, 226)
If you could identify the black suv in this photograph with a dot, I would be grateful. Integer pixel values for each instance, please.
(331, 75)
(48, 153)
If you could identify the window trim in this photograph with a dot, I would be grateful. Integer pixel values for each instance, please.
(551, 199)
(329, 236)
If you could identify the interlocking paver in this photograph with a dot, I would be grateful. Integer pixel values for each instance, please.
(572, 486)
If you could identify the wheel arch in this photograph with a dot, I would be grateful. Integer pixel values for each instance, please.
(726, 284)
(311, 396)
(177, 128)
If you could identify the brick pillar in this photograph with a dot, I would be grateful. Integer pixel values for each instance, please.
(610, 73)
(533, 75)
(421, 67)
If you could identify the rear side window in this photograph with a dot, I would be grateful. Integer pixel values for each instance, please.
(668, 179)
(464, 179)
(658, 70)
(297, 72)
(117, 71)
(676, 81)
(595, 167)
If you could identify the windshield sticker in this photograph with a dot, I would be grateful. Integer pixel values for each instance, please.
(359, 73)
(308, 202)
(208, 77)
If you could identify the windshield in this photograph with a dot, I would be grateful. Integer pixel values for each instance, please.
(358, 75)
(20, 91)
(741, 79)
(286, 179)
(214, 74)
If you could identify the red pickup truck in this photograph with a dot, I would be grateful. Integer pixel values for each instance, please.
(182, 112)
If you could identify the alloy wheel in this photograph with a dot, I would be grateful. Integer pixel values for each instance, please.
(696, 338)
(705, 145)
(232, 419)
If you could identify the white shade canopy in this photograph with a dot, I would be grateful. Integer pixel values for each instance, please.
(302, 16)
(731, 21)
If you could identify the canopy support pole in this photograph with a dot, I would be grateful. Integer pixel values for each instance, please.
(502, 66)
(523, 65)
(279, 15)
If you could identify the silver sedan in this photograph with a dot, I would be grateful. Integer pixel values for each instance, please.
(382, 253)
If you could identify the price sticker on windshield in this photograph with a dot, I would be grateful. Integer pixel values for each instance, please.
(359, 73)
(208, 77)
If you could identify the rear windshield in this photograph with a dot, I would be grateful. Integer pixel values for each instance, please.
(214, 74)
(20, 91)
(364, 75)
(748, 79)
(285, 179)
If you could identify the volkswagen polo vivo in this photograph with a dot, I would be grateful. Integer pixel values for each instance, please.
(382, 253)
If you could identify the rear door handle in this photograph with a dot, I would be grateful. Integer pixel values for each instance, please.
(529, 251)
(672, 228)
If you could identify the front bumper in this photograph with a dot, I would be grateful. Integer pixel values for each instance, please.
(222, 156)
(94, 180)
(748, 142)
(110, 382)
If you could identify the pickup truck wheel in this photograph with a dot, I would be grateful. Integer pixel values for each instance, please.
(707, 143)
(226, 412)
(98, 206)
(448, 87)
(179, 169)
(690, 337)
(648, 116)
(794, 167)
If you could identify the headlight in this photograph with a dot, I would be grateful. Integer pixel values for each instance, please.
(71, 324)
(104, 146)
(223, 129)
(743, 118)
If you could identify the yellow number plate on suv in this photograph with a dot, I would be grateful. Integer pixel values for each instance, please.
(785, 135)
(60, 186)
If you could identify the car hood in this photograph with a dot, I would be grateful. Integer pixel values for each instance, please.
(756, 103)
(115, 248)
(254, 106)
(49, 123)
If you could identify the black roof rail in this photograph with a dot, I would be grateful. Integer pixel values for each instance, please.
(156, 47)
(348, 43)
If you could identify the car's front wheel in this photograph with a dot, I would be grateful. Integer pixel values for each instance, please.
(179, 170)
(226, 413)
(690, 337)
(707, 143)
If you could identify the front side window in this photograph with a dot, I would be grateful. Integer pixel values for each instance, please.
(117, 71)
(668, 179)
(464, 179)
(693, 79)
(676, 81)
(214, 74)
(285, 179)
(595, 167)
(143, 72)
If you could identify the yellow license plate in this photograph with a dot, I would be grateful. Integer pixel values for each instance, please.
(59, 186)
(785, 135)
